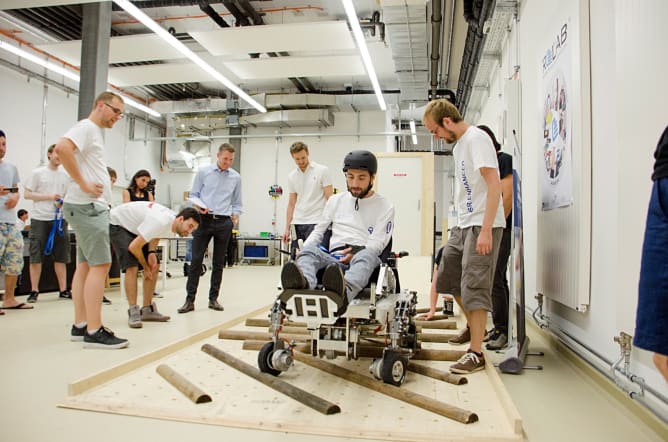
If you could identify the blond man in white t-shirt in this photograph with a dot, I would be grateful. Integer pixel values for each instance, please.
(469, 257)
(86, 209)
(309, 187)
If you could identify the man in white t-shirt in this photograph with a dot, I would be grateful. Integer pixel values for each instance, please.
(469, 257)
(46, 187)
(309, 187)
(361, 223)
(86, 209)
(136, 227)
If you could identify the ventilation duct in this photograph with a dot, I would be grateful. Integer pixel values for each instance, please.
(290, 118)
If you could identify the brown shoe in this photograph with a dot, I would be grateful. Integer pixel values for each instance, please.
(214, 305)
(469, 363)
(461, 338)
(188, 306)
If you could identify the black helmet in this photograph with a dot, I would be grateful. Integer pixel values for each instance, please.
(360, 159)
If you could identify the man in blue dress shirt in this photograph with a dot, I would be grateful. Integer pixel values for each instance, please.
(216, 192)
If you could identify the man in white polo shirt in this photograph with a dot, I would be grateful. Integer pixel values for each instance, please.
(136, 227)
(309, 187)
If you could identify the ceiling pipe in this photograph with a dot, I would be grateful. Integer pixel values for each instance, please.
(162, 4)
(205, 7)
(475, 41)
(450, 33)
(436, 22)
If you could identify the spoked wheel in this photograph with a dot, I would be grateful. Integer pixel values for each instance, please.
(393, 369)
(264, 359)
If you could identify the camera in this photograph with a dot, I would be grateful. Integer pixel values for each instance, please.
(151, 187)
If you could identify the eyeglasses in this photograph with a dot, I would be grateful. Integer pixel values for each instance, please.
(116, 110)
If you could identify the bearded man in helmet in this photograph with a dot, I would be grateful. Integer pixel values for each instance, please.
(361, 224)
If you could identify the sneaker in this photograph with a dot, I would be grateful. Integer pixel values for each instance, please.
(65, 294)
(333, 280)
(77, 334)
(151, 314)
(134, 317)
(461, 338)
(157, 295)
(104, 338)
(499, 342)
(292, 277)
(469, 363)
(32, 297)
(490, 334)
(106, 300)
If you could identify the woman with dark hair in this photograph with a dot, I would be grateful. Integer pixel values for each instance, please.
(137, 190)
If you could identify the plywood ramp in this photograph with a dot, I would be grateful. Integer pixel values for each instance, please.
(239, 401)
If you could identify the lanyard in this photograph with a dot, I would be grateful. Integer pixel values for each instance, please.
(56, 227)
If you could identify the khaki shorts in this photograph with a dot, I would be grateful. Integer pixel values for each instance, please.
(462, 272)
(90, 222)
(11, 249)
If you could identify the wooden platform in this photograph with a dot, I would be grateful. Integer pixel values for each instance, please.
(135, 389)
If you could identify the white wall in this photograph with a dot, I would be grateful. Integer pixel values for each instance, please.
(23, 114)
(628, 100)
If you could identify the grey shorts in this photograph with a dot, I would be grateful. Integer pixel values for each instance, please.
(91, 224)
(464, 273)
(120, 241)
(39, 234)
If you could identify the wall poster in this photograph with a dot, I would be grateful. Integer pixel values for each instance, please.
(556, 161)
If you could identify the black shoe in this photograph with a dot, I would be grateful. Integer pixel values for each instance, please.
(77, 334)
(292, 277)
(65, 294)
(32, 297)
(106, 300)
(104, 338)
(188, 306)
(214, 305)
(332, 280)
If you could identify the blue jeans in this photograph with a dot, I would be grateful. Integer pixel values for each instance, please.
(312, 258)
(652, 315)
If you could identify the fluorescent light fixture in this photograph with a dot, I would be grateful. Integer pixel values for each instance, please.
(67, 73)
(47, 64)
(364, 52)
(137, 105)
(413, 134)
(176, 44)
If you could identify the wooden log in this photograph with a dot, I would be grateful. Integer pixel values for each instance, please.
(373, 351)
(419, 400)
(289, 329)
(435, 317)
(441, 325)
(256, 322)
(242, 335)
(436, 337)
(437, 374)
(190, 390)
(310, 400)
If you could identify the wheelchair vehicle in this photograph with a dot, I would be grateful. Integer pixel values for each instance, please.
(380, 313)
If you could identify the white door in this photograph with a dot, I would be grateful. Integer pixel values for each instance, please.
(400, 180)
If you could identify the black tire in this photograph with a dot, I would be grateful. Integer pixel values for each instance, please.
(394, 368)
(264, 359)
